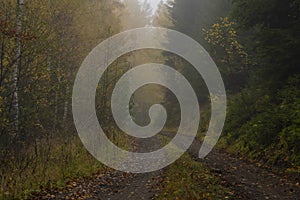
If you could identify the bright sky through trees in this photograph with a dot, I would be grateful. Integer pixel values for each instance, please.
(153, 3)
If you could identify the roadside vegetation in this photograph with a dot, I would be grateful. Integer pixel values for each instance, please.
(255, 45)
(191, 179)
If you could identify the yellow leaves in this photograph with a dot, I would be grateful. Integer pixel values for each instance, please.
(50, 196)
(1, 103)
(216, 25)
(222, 35)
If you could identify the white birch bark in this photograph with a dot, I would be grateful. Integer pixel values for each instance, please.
(15, 101)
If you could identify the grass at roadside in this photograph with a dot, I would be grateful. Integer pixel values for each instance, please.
(51, 167)
(64, 162)
(187, 179)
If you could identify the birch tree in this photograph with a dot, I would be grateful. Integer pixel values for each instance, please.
(15, 101)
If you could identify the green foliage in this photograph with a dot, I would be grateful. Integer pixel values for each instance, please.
(274, 27)
(266, 130)
(263, 118)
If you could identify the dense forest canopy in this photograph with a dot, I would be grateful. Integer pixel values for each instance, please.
(256, 46)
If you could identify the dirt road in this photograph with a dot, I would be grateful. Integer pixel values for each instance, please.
(247, 180)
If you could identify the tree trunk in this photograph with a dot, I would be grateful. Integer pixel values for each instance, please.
(15, 102)
(66, 104)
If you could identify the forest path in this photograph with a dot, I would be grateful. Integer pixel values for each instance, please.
(112, 184)
(138, 186)
(248, 180)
